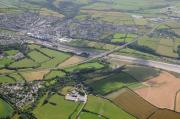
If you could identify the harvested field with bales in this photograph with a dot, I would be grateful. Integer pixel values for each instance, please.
(161, 90)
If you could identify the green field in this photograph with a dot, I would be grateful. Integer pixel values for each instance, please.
(162, 46)
(119, 35)
(74, 115)
(91, 44)
(55, 74)
(6, 79)
(37, 56)
(54, 54)
(17, 77)
(40, 59)
(126, 5)
(113, 17)
(122, 38)
(24, 63)
(5, 61)
(77, 68)
(56, 108)
(51, 63)
(5, 109)
(86, 115)
(112, 82)
(33, 46)
(131, 76)
(11, 52)
(106, 108)
(57, 57)
(138, 54)
(141, 73)
(149, 42)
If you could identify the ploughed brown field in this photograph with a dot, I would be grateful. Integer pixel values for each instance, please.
(161, 91)
(133, 104)
(165, 114)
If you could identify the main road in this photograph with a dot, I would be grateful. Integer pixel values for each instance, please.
(150, 63)
(101, 55)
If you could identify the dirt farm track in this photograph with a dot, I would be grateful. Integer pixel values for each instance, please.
(161, 91)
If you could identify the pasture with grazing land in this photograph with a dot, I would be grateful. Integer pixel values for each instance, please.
(5, 61)
(122, 38)
(131, 76)
(86, 115)
(4, 71)
(5, 109)
(18, 77)
(55, 74)
(93, 65)
(113, 17)
(106, 108)
(24, 63)
(57, 57)
(56, 108)
(6, 79)
(163, 46)
(112, 82)
(141, 73)
(37, 56)
(11, 52)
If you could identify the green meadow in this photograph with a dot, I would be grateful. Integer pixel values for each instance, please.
(5, 109)
(56, 108)
(106, 108)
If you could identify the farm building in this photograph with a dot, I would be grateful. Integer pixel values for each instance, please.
(75, 96)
